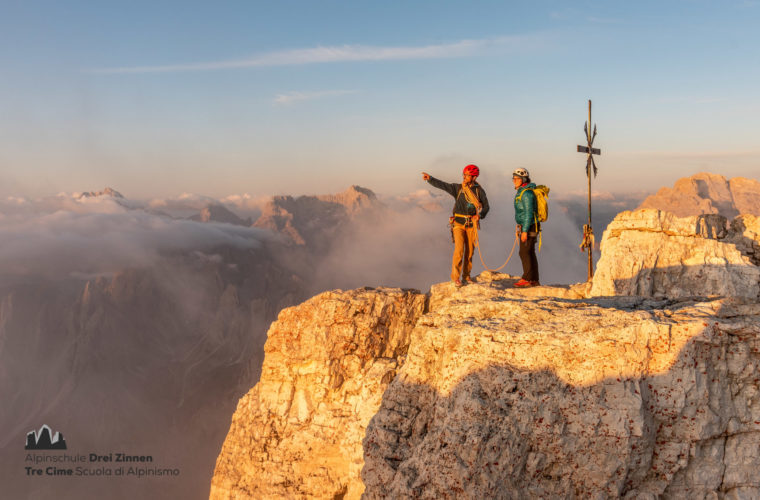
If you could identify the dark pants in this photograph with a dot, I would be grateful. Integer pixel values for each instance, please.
(528, 258)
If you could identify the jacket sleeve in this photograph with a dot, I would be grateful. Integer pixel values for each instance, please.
(449, 188)
(528, 209)
(484, 202)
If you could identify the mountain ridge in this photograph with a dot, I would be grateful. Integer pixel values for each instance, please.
(579, 391)
(707, 193)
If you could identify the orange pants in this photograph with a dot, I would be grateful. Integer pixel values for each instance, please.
(464, 244)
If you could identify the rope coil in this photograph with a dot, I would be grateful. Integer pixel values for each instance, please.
(588, 238)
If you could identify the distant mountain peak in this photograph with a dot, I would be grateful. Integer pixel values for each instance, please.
(105, 192)
(310, 218)
(218, 213)
(354, 198)
(708, 193)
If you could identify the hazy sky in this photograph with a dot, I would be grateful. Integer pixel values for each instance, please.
(160, 98)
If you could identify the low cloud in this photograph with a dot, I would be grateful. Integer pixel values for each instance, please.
(405, 244)
(245, 205)
(64, 236)
(187, 204)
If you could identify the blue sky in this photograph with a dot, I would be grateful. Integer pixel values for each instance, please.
(160, 98)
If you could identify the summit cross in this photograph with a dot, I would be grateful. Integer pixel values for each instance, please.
(590, 150)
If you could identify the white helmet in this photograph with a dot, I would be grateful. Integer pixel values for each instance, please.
(521, 172)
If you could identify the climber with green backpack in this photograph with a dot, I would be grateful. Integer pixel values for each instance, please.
(530, 211)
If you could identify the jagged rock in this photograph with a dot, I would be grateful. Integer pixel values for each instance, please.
(502, 396)
(706, 193)
(746, 194)
(354, 198)
(219, 213)
(504, 393)
(744, 232)
(656, 254)
(298, 432)
(314, 220)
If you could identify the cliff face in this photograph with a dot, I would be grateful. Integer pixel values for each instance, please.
(299, 431)
(505, 396)
(656, 254)
(508, 393)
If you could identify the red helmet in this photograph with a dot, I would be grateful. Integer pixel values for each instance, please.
(473, 170)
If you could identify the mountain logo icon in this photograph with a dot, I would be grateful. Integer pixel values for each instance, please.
(44, 440)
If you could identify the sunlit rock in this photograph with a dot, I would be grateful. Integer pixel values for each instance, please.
(298, 432)
(643, 383)
(504, 397)
(706, 193)
(503, 393)
(657, 254)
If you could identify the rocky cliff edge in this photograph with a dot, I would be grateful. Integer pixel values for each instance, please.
(493, 392)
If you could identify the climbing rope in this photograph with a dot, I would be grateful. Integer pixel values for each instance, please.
(477, 244)
(471, 198)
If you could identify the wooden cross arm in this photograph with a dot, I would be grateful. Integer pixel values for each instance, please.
(585, 149)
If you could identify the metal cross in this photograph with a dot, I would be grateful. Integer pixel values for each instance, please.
(590, 150)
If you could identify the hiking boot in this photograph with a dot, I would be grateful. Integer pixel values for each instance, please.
(526, 284)
(458, 283)
(469, 279)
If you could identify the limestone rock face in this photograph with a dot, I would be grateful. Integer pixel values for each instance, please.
(644, 383)
(746, 194)
(298, 432)
(354, 198)
(314, 220)
(657, 254)
(706, 193)
(504, 395)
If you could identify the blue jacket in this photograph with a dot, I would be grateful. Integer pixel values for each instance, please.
(526, 207)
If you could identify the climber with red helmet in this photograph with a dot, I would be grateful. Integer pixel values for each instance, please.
(470, 207)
